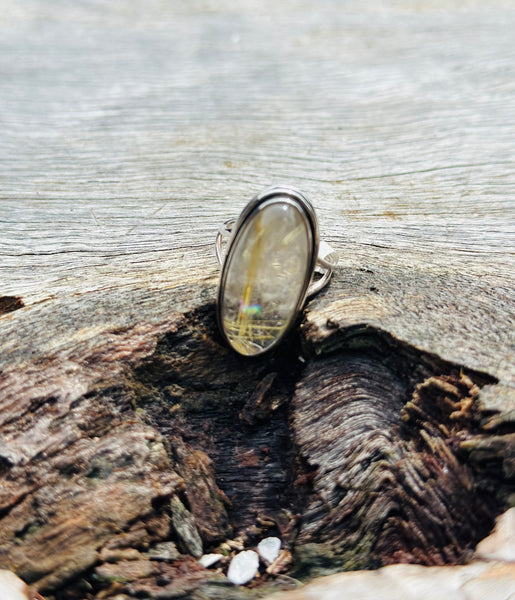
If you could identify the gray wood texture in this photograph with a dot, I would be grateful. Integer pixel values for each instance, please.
(129, 131)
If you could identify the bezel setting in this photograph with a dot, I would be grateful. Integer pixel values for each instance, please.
(246, 329)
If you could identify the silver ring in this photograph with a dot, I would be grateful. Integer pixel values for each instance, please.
(274, 261)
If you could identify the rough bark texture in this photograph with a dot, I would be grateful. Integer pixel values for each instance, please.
(131, 439)
(388, 485)
(354, 458)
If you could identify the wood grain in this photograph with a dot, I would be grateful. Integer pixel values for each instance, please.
(130, 131)
(124, 126)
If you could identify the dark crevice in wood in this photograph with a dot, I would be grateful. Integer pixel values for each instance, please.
(5, 465)
(5, 510)
(233, 410)
(410, 363)
(10, 303)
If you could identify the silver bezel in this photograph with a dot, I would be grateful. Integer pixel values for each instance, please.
(271, 195)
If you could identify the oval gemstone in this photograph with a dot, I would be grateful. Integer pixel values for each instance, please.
(266, 274)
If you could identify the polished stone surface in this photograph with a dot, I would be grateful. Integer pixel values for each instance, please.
(267, 268)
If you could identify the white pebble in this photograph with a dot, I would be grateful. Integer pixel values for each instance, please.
(208, 560)
(269, 549)
(243, 567)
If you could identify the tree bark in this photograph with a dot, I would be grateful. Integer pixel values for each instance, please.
(381, 431)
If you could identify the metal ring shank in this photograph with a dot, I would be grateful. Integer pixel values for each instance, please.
(326, 261)
(224, 231)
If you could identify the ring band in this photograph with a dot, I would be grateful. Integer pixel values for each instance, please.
(269, 269)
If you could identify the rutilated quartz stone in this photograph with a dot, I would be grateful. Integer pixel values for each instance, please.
(269, 266)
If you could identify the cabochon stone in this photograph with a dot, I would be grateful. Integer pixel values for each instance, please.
(266, 273)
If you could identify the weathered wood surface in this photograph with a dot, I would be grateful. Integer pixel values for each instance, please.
(129, 132)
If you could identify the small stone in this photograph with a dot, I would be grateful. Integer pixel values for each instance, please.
(224, 548)
(236, 544)
(208, 560)
(12, 587)
(165, 551)
(185, 527)
(269, 549)
(243, 567)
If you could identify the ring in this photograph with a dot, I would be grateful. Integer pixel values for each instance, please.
(274, 261)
